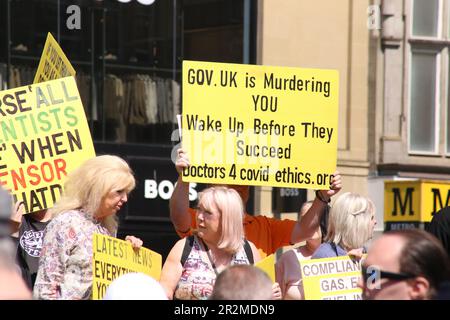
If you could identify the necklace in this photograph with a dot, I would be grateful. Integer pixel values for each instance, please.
(210, 258)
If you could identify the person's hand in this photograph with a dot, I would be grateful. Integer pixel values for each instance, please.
(356, 254)
(182, 161)
(335, 187)
(276, 291)
(16, 216)
(136, 243)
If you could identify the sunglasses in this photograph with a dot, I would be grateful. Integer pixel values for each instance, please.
(380, 274)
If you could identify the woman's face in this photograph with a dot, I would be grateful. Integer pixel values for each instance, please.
(112, 203)
(209, 223)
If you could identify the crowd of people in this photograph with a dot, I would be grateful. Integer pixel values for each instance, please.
(49, 255)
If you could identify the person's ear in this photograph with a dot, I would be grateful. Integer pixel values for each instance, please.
(419, 288)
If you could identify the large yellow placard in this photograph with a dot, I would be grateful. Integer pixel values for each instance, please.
(331, 278)
(44, 135)
(113, 257)
(54, 63)
(259, 125)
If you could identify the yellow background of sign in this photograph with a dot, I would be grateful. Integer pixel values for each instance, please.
(311, 284)
(54, 71)
(72, 159)
(422, 199)
(268, 266)
(128, 262)
(308, 155)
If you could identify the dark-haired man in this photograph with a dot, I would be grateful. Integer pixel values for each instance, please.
(404, 265)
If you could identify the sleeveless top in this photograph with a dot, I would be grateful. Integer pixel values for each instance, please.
(198, 275)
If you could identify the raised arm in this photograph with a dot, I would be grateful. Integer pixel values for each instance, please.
(305, 228)
(179, 202)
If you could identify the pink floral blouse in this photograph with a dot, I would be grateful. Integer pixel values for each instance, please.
(198, 276)
(65, 264)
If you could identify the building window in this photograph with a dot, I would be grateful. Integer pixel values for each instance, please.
(429, 108)
(425, 18)
(423, 101)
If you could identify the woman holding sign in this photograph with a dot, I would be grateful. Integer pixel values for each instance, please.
(93, 194)
(193, 264)
(287, 268)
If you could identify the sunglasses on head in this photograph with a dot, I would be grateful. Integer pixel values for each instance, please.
(380, 274)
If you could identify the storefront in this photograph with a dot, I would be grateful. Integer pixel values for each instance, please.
(128, 57)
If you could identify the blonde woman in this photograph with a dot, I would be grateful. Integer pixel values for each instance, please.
(93, 194)
(217, 243)
(350, 226)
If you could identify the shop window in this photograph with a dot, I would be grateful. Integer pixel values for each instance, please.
(127, 56)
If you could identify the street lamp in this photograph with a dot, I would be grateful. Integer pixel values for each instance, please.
(144, 2)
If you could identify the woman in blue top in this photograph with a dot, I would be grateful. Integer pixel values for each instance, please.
(350, 226)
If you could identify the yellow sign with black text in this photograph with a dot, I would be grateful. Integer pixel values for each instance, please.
(113, 257)
(414, 201)
(331, 278)
(54, 63)
(44, 135)
(259, 125)
(268, 266)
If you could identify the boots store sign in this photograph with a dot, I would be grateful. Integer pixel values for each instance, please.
(155, 182)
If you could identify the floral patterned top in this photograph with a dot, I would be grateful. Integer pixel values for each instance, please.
(65, 264)
(198, 275)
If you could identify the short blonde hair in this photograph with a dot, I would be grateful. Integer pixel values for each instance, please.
(349, 221)
(231, 209)
(87, 185)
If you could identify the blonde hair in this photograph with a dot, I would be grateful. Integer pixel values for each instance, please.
(86, 187)
(349, 221)
(229, 204)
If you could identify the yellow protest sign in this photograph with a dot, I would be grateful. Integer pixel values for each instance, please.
(113, 257)
(268, 266)
(414, 201)
(54, 63)
(44, 135)
(259, 125)
(331, 279)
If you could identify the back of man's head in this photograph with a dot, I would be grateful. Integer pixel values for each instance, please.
(242, 282)
(135, 286)
(423, 255)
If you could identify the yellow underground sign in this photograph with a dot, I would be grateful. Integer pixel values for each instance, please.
(414, 201)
